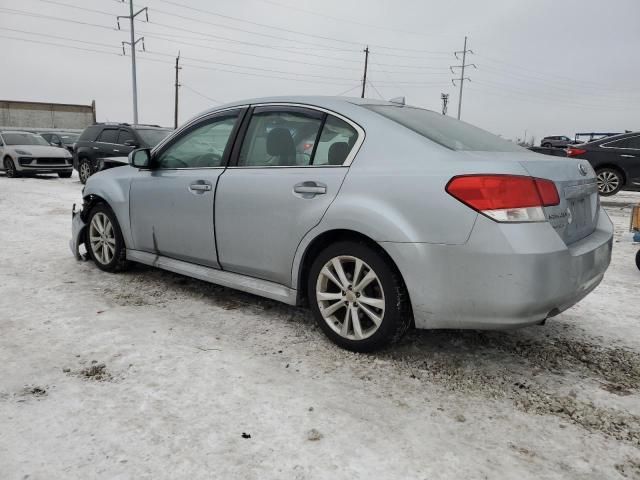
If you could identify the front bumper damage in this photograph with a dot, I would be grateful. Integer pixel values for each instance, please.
(77, 234)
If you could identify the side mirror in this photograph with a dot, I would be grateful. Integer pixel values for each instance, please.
(140, 158)
(131, 143)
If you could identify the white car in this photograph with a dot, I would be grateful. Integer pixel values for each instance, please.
(28, 153)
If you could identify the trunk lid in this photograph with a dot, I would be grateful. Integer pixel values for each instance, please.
(576, 216)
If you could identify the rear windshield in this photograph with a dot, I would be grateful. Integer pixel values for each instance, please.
(446, 131)
(23, 139)
(152, 136)
(89, 134)
(69, 138)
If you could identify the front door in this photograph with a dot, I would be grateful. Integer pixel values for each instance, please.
(287, 172)
(172, 203)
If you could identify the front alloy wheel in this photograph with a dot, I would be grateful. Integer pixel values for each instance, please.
(84, 170)
(104, 240)
(357, 296)
(609, 182)
(10, 168)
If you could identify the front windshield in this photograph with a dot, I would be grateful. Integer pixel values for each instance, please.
(69, 138)
(153, 136)
(446, 131)
(23, 138)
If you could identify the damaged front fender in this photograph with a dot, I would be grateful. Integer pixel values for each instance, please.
(77, 234)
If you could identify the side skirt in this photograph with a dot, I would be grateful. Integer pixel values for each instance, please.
(252, 285)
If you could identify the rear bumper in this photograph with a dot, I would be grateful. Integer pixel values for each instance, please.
(505, 276)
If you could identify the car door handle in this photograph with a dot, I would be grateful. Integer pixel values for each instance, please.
(96, 148)
(116, 150)
(312, 188)
(628, 156)
(200, 187)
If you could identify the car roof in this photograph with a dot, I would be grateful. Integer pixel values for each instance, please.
(613, 138)
(18, 131)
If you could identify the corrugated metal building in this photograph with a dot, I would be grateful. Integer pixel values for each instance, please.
(16, 114)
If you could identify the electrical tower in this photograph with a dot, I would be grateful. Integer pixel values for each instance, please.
(462, 67)
(175, 114)
(445, 102)
(133, 44)
(366, 62)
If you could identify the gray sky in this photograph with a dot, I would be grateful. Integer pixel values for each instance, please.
(547, 67)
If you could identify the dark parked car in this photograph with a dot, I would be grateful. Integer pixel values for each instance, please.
(616, 161)
(60, 139)
(104, 141)
(558, 141)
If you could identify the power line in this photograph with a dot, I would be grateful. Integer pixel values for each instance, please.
(201, 94)
(347, 90)
(375, 89)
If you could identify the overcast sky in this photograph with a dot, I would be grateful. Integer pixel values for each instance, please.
(547, 67)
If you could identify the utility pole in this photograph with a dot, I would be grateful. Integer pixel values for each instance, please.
(132, 44)
(445, 102)
(178, 68)
(462, 78)
(366, 62)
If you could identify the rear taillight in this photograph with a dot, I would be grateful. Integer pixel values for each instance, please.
(505, 198)
(573, 152)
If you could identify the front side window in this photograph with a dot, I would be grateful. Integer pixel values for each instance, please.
(280, 138)
(109, 135)
(202, 147)
(125, 136)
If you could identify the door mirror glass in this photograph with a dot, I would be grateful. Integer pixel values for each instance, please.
(140, 158)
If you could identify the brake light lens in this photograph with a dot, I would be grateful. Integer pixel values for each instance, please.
(505, 198)
(573, 152)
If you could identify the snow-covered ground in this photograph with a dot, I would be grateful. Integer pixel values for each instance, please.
(150, 375)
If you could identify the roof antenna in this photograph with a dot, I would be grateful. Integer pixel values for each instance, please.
(398, 100)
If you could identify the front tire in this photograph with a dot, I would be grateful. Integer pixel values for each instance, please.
(84, 169)
(610, 181)
(10, 168)
(64, 174)
(357, 297)
(104, 240)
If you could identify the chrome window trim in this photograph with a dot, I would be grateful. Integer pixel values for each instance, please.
(352, 153)
(604, 145)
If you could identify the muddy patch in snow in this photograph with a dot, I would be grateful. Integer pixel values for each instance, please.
(94, 372)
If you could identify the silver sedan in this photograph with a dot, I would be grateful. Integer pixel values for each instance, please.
(378, 216)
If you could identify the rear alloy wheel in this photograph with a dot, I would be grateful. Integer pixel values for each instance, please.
(104, 240)
(84, 169)
(357, 298)
(10, 168)
(609, 181)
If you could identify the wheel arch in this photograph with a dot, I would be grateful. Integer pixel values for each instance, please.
(321, 241)
(617, 168)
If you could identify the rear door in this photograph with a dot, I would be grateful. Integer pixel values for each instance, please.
(625, 153)
(287, 170)
(172, 203)
(106, 143)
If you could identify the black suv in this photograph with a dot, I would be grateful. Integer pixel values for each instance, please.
(616, 161)
(106, 145)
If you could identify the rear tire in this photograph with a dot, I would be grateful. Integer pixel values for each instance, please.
(104, 240)
(546, 145)
(357, 297)
(84, 169)
(65, 174)
(10, 168)
(610, 181)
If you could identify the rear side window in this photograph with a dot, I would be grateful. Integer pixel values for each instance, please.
(108, 135)
(630, 142)
(444, 130)
(336, 141)
(89, 134)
